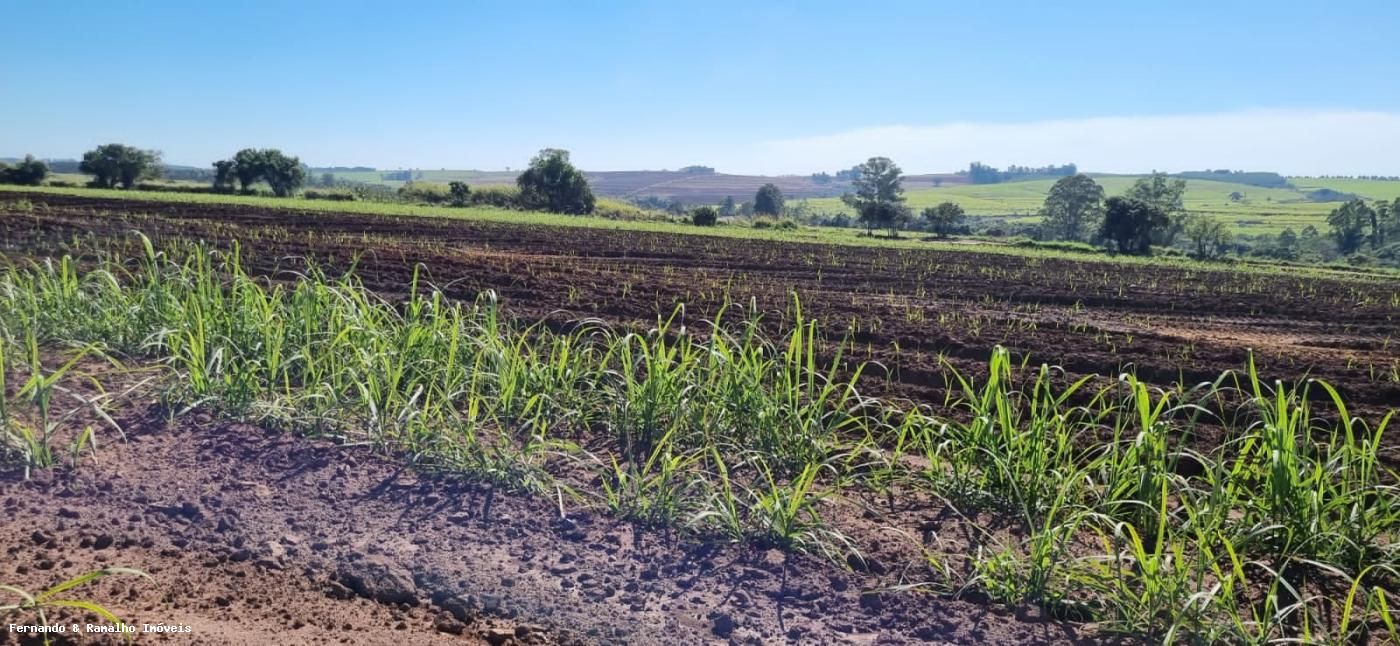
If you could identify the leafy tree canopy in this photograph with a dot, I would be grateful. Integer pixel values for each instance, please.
(705, 216)
(878, 195)
(27, 172)
(1349, 223)
(284, 174)
(112, 164)
(1128, 224)
(944, 218)
(768, 200)
(1073, 207)
(551, 183)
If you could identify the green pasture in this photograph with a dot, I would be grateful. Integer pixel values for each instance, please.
(429, 176)
(1371, 189)
(1263, 210)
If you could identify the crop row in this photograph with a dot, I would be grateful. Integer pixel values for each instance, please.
(1085, 502)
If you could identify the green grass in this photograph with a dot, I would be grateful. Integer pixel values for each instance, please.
(44, 603)
(1371, 189)
(1075, 497)
(1264, 210)
(430, 176)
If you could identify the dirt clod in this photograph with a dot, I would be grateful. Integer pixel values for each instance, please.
(379, 579)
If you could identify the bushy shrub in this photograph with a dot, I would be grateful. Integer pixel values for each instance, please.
(551, 183)
(1058, 245)
(425, 193)
(506, 197)
(620, 210)
(774, 223)
(460, 193)
(333, 196)
(705, 216)
(173, 188)
(28, 172)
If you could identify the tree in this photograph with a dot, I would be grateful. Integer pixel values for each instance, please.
(1380, 216)
(980, 173)
(223, 175)
(944, 218)
(1167, 195)
(1128, 224)
(1236, 196)
(112, 164)
(877, 180)
(1075, 204)
(284, 174)
(248, 167)
(460, 192)
(552, 184)
(705, 216)
(727, 207)
(768, 200)
(1349, 223)
(889, 216)
(327, 180)
(1208, 236)
(878, 197)
(1394, 225)
(28, 172)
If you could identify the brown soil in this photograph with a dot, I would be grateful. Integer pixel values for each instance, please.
(905, 309)
(588, 578)
(257, 537)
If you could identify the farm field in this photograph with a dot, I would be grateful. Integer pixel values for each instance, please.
(954, 303)
(691, 188)
(1264, 210)
(599, 520)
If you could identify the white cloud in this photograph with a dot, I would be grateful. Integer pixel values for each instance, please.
(1295, 142)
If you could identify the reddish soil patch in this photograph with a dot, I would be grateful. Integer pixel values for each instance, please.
(257, 537)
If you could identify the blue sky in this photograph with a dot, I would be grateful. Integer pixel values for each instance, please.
(746, 86)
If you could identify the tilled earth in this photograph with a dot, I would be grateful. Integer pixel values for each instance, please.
(908, 309)
(260, 537)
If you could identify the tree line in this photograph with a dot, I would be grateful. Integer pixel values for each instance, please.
(549, 183)
(877, 197)
(1151, 213)
(27, 172)
(979, 173)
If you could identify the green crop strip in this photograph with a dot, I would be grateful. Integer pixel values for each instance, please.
(1086, 501)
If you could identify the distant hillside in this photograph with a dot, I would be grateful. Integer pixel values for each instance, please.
(1259, 209)
(686, 187)
(1256, 178)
